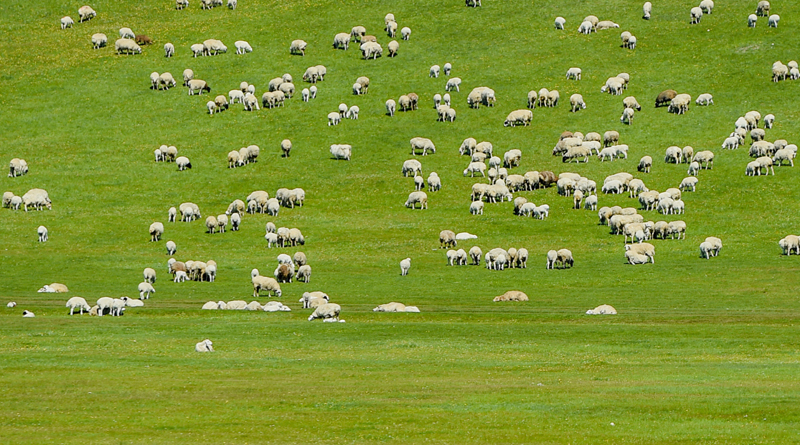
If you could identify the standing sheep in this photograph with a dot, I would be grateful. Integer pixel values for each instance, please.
(156, 230)
(42, 231)
(405, 265)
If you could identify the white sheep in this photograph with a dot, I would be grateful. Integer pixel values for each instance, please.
(99, 40)
(127, 46)
(689, 182)
(67, 22)
(27, 314)
(697, 14)
(769, 120)
(603, 309)
(242, 47)
(523, 117)
(327, 311)
(405, 265)
(53, 288)
(352, 113)
(183, 163)
(145, 290)
(647, 8)
(11, 304)
(705, 99)
(586, 27)
(299, 47)
(405, 33)
(42, 231)
(275, 306)
(77, 302)
(434, 71)
(204, 346)
(627, 116)
(415, 198)
(773, 20)
(453, 83)
(751, 20)
(576, 102)
(334, 118)
(560, 22)
(790, 243)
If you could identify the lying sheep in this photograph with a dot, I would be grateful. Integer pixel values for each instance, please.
(204, 346)
(603, 309)
(646, 250)
(326, 311)
(512, 295)
(395, 307)
(28, 314)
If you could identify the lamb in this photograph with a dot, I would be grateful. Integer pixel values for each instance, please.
(127, 46)
(453, 84)
(646, 10)
(405, 265)
(352, 113)
(243, 47)
(586, 27)
(574, 73)
(99, 40)
(53, 288)
(77, 302)
(705, 99)
(644, 164)
(334, 118)
(627, 116)
(773, 21)
(204, 346)
(391, 106)
(512, 158)
(696, 14)
(415, 198)
(371, 49)
(67, 22)
(751, 20)
(143, 39)
(145, 289)
(434, 71)
(328, 311)
(512, 295)
(516, 117)
(391, 29)
(126, 33)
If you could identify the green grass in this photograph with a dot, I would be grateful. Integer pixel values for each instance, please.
(701, 352)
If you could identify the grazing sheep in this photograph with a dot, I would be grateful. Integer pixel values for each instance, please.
(242, 47)
(341, 151)
(762, 9)
(204, 346)
(516, 117)
(42, 231)
(705, 158)
(67, 22)
(53, 288)
(99, 40)
(769, 120)
(576, 102)
(665, 97)
(644, 164)
(603, 309)
(212, 47)
(232, 4)
(751, 20)
(145, 289)
(183, 163)
(127, 46)
(73, 303)
(790, 243)
(476, 208)
(198, 85)
(647, 8)
(704, 99)
(679, 104)
(405, 33)
(697, 14)
(327, 311)
(299, 47)
(156, 230)
(314, 299)
(586, 27)
(424, 144)
(415, 198)
(687, 183)
(352, 113)
(453, 84)
(560, 22)
(773, 20)
(627, 116)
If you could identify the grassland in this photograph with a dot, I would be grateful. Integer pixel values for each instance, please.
(701, 352)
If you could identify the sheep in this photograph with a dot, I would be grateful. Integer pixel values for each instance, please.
(434, 182)
(679, 104)
(512, 295)
(676, 228)
(665, 97)
(453, 83)
(424, 144)
(334, 118)
(67, 22)
(604, 309)
(73, 303)
(512, 158)
(214, 47)
(314, 299)
(673, 154)
(447, 238)
(405, 265)
(189, 211)
(773, 21)
(126, 33)
(644, 164)
(704, 99)
(647, 8)
(145, 289)
(779, 71)
(299, 46)
(327, 311)
(156, 230)
(574, 73)
(784, 154)
(28, 314)
(143, 39)
(627, 116)
(391, 29)
(371, 49)
(523, 117)
(53, 288)
(552, 257)
(790, 243)
(199, 86)
(751, 20)
(35, 198)
(769, 120)
(762, 9)
(705, 158)
(415, 198)
(268, 284)
(610, 138)
(205, 345)
(352, 113)
(99, 40)
(646, 250)
(731, 143)
(127, 46)
(181, 4)
(576, 102)
(697, 14)
(232, 4)
(586, 27)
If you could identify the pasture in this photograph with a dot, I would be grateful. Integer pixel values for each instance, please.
(702, 351)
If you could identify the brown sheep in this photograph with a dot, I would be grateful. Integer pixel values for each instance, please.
(547, 178)
(283, 274)
(665, 97)
(143, 39)
(512, 295)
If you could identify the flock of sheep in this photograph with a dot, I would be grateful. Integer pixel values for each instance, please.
(502, 181)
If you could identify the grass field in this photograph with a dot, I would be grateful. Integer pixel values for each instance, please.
(702, 351)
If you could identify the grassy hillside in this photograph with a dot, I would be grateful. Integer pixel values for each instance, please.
(701, 351)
